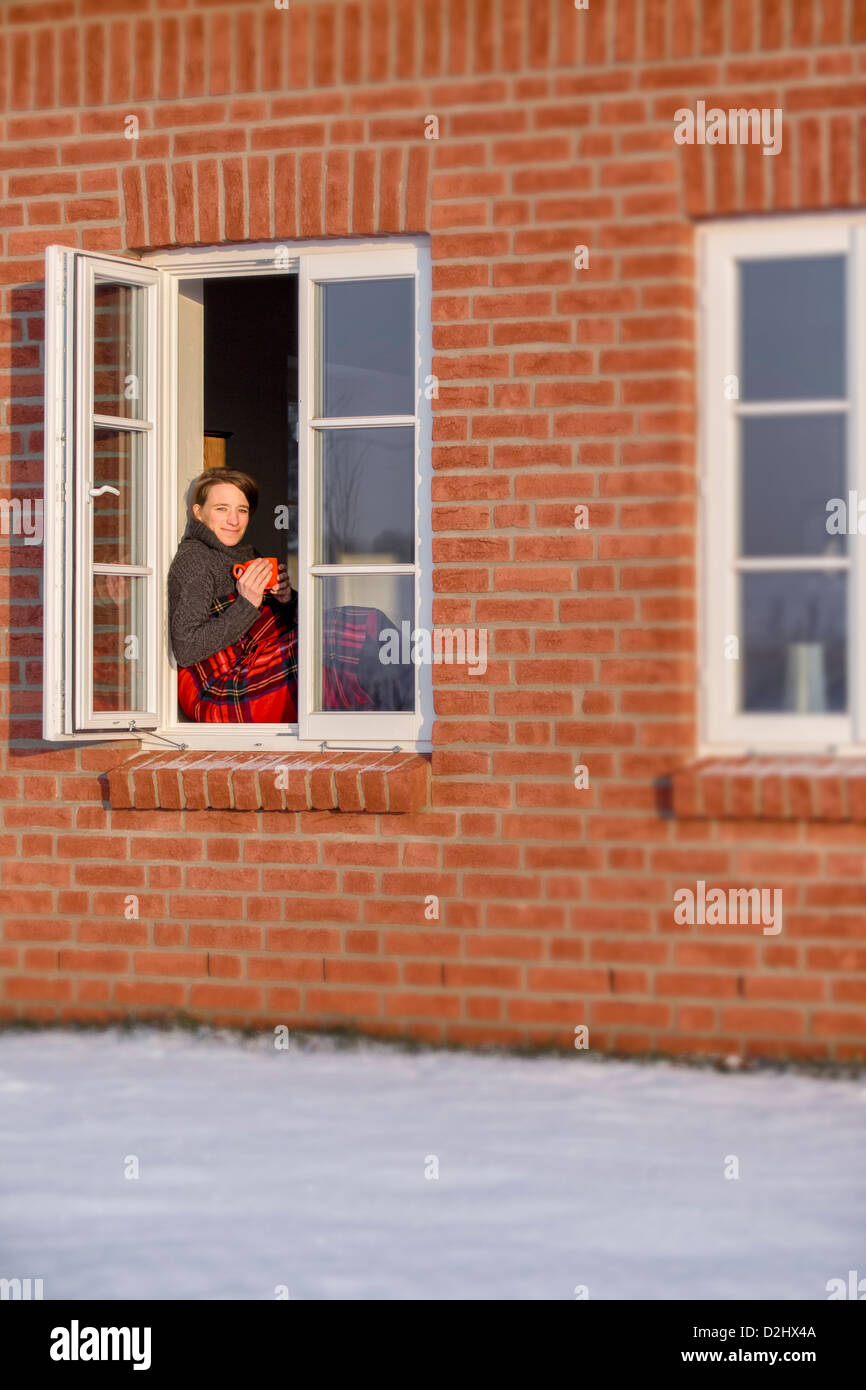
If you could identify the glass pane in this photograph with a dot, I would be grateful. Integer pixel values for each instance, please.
(367, 348)
(364, 625)
(118, 515)
(795, 657)
(366, 480)
(119, 324)
(793, 465)
(792, 314)
(119, 642)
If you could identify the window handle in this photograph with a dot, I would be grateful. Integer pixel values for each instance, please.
(98, 491)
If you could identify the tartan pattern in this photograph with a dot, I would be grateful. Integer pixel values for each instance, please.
(344, 632)
(255, 679)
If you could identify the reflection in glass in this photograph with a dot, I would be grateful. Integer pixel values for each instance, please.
(367, 347)
(119, 324)
(793, 465)
(118, 515)
(792, 313)
(795, 658)
(119, 642)
(367, 489)
(364, 660)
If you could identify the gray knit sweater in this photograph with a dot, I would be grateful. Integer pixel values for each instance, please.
(200, 572)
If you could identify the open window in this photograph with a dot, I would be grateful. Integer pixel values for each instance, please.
(304, 367)
(784, 467)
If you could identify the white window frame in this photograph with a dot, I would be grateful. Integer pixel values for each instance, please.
(724, 729)
(374, 259)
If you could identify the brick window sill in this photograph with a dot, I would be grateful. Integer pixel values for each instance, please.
(805, 788)
(344, 781)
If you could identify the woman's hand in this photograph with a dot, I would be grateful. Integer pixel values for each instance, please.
(253, 581)
(283, 590)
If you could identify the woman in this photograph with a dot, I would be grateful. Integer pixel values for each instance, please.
(234, 642)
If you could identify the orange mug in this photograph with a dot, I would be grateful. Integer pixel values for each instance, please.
(274, 579)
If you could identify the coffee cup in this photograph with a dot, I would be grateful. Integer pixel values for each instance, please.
(274, 577)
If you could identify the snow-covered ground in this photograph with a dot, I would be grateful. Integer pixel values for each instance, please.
(305, 1168)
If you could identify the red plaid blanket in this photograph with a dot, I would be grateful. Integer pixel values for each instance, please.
(255, 680)
(252, 681)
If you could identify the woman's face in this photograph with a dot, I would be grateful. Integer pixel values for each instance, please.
(226, 511)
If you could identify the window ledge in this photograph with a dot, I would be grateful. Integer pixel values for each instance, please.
(339, 781)
(772, 788)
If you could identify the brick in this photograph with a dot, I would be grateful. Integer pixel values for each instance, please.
(761, 1021)
(344, 1003)
(231, 997)
(147, 993)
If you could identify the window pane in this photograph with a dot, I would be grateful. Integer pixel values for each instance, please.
(793, 465)
(795, 657)
(119, 323)
(365, 657)
(366, 482)
(119, 642)
(118, 516)
(367, 349)
(792, 313)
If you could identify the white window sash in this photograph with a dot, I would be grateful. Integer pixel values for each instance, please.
(724, 728)
(89, 269)
(68, 711)
(315, 269)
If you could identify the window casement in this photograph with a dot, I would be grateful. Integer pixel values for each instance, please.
(125, 418)
(783, 466)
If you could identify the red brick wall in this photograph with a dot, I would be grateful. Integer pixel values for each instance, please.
(558, 387)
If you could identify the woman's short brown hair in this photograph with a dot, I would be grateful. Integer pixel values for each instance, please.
(211, 476)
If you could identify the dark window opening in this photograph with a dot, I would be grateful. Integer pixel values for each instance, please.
(251, 396)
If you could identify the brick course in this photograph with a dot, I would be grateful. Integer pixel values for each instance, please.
(558, 387)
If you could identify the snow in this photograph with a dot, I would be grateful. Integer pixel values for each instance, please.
(305, 1167)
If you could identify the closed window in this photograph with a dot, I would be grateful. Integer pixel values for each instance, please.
(782, 478)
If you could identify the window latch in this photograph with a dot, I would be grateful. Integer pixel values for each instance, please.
(148, 733)
(360, 748)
